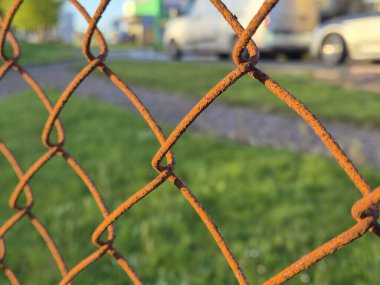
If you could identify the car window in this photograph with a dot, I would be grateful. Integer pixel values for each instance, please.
(364, 6)
(354, 8)
(186, 7)
(202, 8)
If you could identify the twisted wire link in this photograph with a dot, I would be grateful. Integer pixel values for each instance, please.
(23, 211)
(365, 211)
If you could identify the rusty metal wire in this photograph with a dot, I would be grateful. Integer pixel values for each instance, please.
(365, 211)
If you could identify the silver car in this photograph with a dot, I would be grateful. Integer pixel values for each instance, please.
(203, 30)
(355, 37)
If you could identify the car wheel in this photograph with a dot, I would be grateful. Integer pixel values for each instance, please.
(175, 52)
(333, 50)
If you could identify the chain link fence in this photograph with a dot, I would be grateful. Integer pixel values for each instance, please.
(365, 211)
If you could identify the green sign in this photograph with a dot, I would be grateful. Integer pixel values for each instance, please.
(148, 7)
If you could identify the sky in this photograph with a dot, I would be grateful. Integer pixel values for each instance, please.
(114, 11)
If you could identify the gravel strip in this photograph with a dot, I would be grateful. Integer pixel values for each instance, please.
(231, 122)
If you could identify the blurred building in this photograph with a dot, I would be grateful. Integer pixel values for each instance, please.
(145, 18)
(65, 28)
(62, 32)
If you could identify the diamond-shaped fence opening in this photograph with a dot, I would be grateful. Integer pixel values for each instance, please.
(365, 211)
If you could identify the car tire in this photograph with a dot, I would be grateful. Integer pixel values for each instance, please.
(333, 50)
(295, 55)
(224, 56)
(174, 51)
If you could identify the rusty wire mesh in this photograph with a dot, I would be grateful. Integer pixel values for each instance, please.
(365, 211)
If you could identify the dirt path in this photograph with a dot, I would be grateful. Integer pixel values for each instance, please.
(237, 123)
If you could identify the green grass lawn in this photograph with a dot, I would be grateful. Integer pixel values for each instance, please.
(125, 46)
(51, 52)
(271, 206)
(194, 79)
(43, 53)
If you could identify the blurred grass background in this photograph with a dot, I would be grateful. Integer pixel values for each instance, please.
(194, 79)
(55, 52)
(45, 52)
(271, 206)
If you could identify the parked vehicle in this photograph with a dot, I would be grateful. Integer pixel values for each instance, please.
(354, 36)
(203, 30)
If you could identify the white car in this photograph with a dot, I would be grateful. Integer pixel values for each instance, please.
(356, 37)
(203, 30)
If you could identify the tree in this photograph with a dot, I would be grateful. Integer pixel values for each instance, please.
(34, 15)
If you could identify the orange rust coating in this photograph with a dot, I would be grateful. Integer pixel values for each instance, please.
(317, 126)
(247, 35)
(6, 24)
(10, 275)
(326, 249)
(21, 212)
(368, 207)
(53, 150)
(365, 211)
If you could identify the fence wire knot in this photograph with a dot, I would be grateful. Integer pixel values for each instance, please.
(365, 211)
(368, 207)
